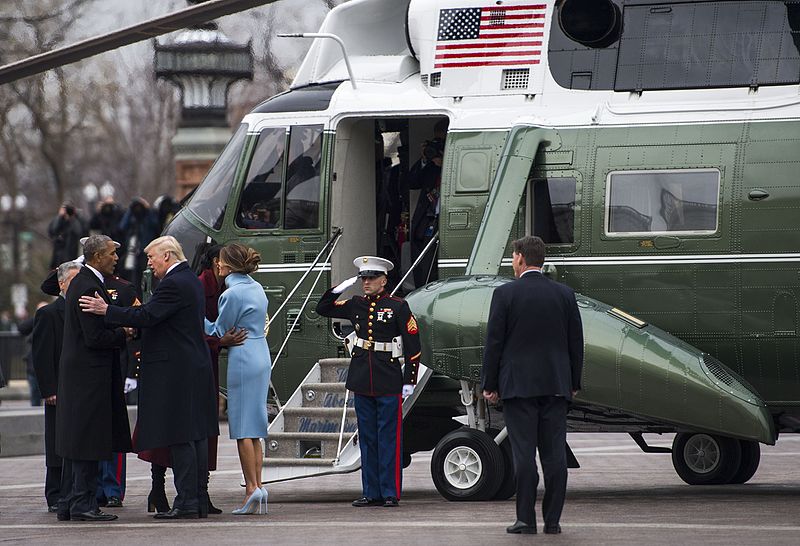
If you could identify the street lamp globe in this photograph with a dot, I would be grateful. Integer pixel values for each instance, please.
(20, 201)
(106, 190)
(90, 192)
(6, 202)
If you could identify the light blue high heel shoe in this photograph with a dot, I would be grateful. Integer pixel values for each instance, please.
(264, 496)
(252, 505)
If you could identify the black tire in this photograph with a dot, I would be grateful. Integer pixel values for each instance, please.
(508, 486)
(482, 459)
(705, 459)
(751, 456)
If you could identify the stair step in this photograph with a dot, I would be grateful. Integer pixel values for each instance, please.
(325, 395)
(318, 420)
(288, 461)
(334, 370)
(301, 444)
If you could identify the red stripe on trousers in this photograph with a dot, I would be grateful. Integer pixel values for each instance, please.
(398, 459)
(119, 475)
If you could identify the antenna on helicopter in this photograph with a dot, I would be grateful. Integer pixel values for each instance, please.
(332, 37)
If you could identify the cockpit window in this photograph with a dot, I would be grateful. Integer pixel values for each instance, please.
(260, 205)
(303, 177)
(210, 198)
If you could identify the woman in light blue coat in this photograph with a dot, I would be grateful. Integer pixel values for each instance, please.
(243, 305)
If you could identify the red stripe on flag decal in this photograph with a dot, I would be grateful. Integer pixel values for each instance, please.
(513, 16)
(485, 54)
(488, 44)
(486, 63)
(398, 455)
(519, 8)
(514, 35)
(503, 27)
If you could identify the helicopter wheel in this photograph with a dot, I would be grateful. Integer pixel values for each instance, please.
(751, 456)
(706, 459)
(467, 466)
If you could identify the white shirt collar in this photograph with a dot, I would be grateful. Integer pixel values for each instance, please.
(96, 273)
(530, 271)
(173, 266)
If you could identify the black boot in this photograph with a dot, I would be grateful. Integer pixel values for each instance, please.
(157, 499)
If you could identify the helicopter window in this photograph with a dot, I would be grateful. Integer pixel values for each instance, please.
(303, 177)
(260, 204)
(679, 201)
(554, 209)
(209, 200)
(674, 45)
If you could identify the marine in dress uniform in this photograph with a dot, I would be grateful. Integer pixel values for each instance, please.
(376, 375)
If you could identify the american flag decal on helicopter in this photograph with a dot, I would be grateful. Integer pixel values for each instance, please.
(490, 36)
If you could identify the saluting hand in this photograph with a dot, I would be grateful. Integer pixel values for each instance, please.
(95, 305)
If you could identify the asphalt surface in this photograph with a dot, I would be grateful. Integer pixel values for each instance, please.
(619, 496)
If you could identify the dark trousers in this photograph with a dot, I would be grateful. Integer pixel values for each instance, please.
(380, 430)
(540, 422)
(190, 470)
(78, 487)
(52, 485)
(111, 479)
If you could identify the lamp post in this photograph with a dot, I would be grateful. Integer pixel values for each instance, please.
(13, 209)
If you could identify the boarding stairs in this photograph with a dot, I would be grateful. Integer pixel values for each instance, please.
(315, 432)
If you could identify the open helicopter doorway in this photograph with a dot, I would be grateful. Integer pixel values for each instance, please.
(385, 194)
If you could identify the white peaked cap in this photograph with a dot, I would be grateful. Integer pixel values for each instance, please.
(371, 266)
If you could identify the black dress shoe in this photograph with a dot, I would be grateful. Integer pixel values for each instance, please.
(114, 502)
(391, 502)
(211, 508)
(52, 509)
(177, 513)
(521, 528)
(552, 529)
(157, 502)
(366, 501)
(96, 515)
(63, 516)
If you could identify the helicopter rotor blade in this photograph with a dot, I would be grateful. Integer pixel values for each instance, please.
(164, 24)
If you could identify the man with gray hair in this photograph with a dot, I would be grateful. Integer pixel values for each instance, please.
(48, 331)
(92, 420)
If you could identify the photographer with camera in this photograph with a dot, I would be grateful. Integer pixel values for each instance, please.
(65, 231)
(105, 220)
(139, 226)
(426, 175)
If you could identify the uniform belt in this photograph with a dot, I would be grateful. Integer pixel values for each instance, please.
(379, 346)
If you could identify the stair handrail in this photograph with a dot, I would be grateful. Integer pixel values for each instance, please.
(341, 428)
(333, 240)
(434, 239)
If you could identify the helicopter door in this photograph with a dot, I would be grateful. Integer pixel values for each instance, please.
(278, 214)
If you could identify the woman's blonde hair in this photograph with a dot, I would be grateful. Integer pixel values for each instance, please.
(240, 258)
(167, 243)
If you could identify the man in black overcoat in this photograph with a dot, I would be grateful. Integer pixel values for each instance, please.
(533, 360)
(177, 399)
(48, 332)
(92, 418)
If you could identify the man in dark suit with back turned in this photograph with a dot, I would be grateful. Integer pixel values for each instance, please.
(48, 332)
(533, 361)
(92, 418)
(177, 399)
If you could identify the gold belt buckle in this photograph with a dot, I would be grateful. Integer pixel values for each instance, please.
(367, 345)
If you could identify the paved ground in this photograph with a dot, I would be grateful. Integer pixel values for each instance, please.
(620, 496)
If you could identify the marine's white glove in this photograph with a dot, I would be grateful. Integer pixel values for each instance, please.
(408, 390)
(130, 384)
(345, 285)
